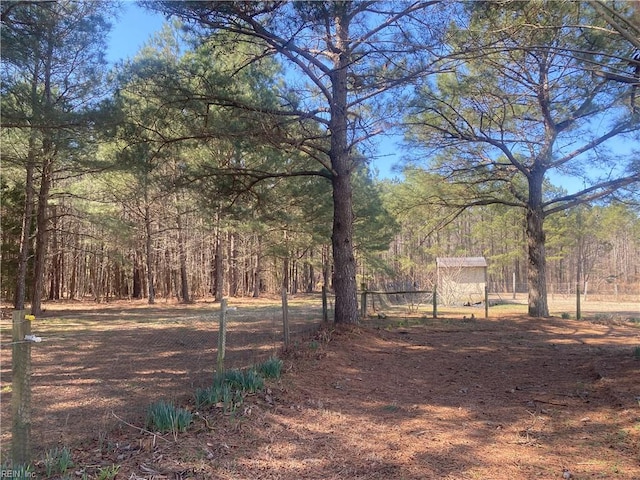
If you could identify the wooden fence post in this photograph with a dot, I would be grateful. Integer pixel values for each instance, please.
(486, 302)
(222, 336)
(21, 390)
(435, 302)
(325, 311)
(285, 318)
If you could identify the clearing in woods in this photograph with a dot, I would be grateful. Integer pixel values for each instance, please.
(407, 398)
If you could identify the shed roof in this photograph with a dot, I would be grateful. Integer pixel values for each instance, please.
(458, 262)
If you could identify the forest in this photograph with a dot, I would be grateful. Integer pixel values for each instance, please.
(235, 153)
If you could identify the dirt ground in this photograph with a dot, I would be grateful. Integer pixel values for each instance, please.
(399, 398)
(97, 362)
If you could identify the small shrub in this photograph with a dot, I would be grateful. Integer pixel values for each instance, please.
(565, 316)
(231, 377)
(212, 395)
(252, 381)
(219, 395)
(230, 387)
(247, 381)
(207, 396)
(108, 473)
(165, 417)
(57, 461)
(272, 368)
(636, 353)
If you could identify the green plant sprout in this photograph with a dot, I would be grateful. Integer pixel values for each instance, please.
(165, 417)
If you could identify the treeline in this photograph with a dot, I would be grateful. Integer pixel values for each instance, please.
(98, 250)
(600, 242)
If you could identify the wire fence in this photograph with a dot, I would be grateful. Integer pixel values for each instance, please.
(599, 289)
(93, 368)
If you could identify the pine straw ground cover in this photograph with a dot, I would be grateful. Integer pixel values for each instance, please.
(508, 398)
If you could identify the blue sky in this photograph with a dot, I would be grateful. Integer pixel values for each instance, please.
(131, 30)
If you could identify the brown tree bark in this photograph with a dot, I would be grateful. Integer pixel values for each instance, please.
(55, 269)
(42, 225)
(182, 256)
(136, 288)
(257, 273)
(538, 305)
(233, 264)
(42, 219)
(27, 215)
(536, 238)
(148, 226)
(25, 234)
(218, 271)
(344, 275)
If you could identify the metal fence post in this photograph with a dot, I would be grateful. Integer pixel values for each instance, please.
(21, 390)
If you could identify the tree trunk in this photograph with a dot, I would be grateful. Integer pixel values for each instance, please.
(27, 214)
(55, 270)
(75, 259)
(326, 268)
(295, 278)
(149, 250)
(25, 234)
(42, 218)
(258, 269)
(42, 223)
(182, 255)
(311, 277)
(136, 289)
(344, 279)
(537, 269)
(344, 263)
(233, 264)
(218, 269)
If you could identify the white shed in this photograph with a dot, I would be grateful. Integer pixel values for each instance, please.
(461, 280)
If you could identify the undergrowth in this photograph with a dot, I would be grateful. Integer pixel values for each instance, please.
(57, 460)
(164, 417)
(230, 387)
(271, 368)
